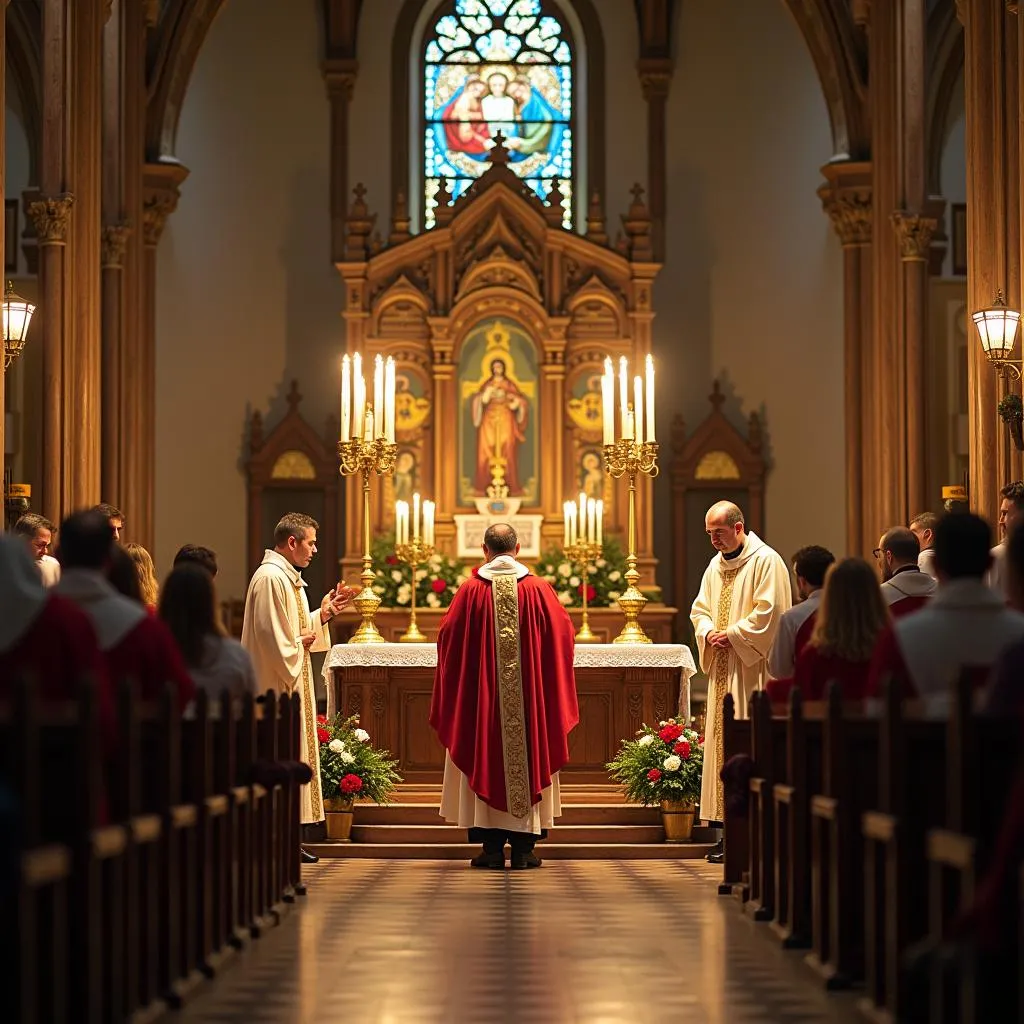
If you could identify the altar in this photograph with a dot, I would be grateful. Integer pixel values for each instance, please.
(619, 686)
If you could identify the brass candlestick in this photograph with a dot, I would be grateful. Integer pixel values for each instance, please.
(630, 458)
(375, 455)
(583, 553)
(413, 554)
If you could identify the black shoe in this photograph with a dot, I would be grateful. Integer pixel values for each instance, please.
(309, 858)
(522, 861)
(717, 853)
(495, 861)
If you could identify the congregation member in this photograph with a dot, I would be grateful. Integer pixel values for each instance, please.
(906, 587)
(923, 528)
(1011, 512)
(810, 564)
(279, 633)
(743, 595)
(965, 625)
(37, 532)
(196, 554)
(1006, 690)
(149, 589)
(114, 516)
(188, 606)
(503, 705)
(136, 645)
(849, 622)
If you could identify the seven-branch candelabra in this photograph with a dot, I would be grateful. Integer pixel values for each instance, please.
(414, 550)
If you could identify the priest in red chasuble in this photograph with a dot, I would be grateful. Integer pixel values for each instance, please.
(504, 704)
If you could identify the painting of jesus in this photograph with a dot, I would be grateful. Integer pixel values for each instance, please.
(499, 415)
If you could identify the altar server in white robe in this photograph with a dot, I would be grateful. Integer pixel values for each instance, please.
(279, 633)
(743, 594)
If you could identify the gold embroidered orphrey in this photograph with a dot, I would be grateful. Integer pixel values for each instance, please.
(510, 691)
(309, 713)
(720, 681)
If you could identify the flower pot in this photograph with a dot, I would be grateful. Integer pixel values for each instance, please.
(1016, 425)
(338, 811)
(677, 817)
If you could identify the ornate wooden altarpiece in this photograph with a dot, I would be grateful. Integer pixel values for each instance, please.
(499, 280)
(716, 462)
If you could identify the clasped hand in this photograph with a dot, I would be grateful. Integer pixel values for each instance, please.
(719, 639)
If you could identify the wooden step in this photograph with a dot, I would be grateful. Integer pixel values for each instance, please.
(562, 834)
(547, 850)
(416, 813)
(572, 793)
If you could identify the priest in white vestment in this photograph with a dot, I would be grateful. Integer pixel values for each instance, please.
(743, 594)
(279, 633)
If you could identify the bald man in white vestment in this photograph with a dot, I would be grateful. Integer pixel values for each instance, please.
(743, 594)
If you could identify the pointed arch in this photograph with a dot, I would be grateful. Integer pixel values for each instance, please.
(24, 54)
(945, 67)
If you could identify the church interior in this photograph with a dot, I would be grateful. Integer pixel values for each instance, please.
(588, 267)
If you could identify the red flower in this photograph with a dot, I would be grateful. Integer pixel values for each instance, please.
(391, 560)
(322, 719)
(350, 784)
(654, 774)
(700, 741)
(670, 733)
(438, 586)
(682, 748)
(591, 591)
(323, 736)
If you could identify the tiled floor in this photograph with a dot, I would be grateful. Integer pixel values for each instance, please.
(601, 942)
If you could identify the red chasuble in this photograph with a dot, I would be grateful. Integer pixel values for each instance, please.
(483, 665)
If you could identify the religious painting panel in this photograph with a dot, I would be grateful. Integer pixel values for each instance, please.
(587, 462)
(498, 67)
(412, 413)
(499, 413)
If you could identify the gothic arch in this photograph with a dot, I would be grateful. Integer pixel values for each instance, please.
(24, 54)
(945, 66)
(837, 49)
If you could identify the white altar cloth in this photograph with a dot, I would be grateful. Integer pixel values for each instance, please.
(587, 656)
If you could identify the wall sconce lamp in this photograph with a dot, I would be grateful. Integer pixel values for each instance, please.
(997, 327)
(17, 316)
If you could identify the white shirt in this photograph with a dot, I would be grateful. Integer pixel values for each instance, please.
(49, 569)
(782, 659)
(926, 562)
(996, 577)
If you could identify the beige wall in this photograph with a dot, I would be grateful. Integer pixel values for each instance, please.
(247, 297)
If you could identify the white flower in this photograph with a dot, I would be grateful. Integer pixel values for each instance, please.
(613, 595)
(421, 574)
(396, 575)
(574, 581)
(591, 570)
(565, 569)
(433, 601)
(671, 763)
(435, 562)
(550, 578)
(404, 595)
(347, 758)
(645, 741)
(336, 745)
(614, 576)
(600, 563)
(564, 597)
(378, 589)
(662, 724)
(364, 737)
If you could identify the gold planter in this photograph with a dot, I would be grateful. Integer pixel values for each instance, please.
(677, 817)
(338, 811)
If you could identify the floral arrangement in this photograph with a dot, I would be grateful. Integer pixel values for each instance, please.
(605, 576)
(350, 766)
(436, 580)
(662, 763)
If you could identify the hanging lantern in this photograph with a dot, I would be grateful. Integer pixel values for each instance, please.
(997, 328)
(17, 316)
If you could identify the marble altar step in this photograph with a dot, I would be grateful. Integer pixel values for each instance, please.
(416, 813)
(548, 850)
(563, 834)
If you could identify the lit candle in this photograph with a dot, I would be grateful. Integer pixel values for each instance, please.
(572, 522)
(389, 400)
(638, 408)
(565, 519)
(591, 520)
(600, 521)
(583, 515)
(627, 426)
(416, 516)
(428, 523)
(368, 429)
(623, 392)
(378, 396)
(346, 396)
(358, 396)
(401, 521)
(608, 402)
(650, 398)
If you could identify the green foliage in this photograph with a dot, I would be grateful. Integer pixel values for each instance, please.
(664, 762)
(1010, 406)
(436, 581)
(606, 576)
(352, 754)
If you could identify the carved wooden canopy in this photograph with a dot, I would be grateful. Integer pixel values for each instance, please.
(499, 255)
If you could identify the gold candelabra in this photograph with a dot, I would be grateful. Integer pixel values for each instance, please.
(413, 553)
(583, 552)
(628, 457)
(376, 455)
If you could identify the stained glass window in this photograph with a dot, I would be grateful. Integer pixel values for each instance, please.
(498, 66)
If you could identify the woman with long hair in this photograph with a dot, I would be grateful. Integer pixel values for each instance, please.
(850, 619)
(148, 586)
(188, 606)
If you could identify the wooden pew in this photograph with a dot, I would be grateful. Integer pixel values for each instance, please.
(849, 787)
(735, 831)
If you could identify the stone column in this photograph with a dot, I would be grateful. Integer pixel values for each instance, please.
(161, 191)
(655, 78)
(114, 244)
(3, 195)
(992, 242)
(340, 76)
(847, 200)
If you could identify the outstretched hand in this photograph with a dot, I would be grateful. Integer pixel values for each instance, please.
(336, 601)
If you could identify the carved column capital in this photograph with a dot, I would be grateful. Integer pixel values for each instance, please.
(850, 213)
(161, 191)
(340, 77)
(51, 216)
(915, 235)
(655, 77)
(113, 242)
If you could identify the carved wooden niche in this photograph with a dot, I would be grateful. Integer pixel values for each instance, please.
(294, 469)
(715, 463)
